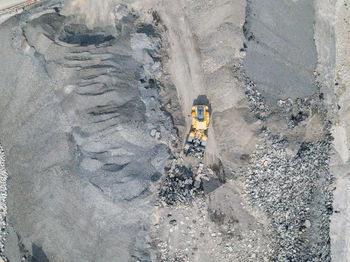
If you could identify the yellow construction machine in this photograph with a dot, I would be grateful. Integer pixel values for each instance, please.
(199, 130)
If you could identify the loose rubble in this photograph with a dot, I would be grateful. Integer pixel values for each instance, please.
(185, 180)
(286, 181)
(293, 191)
(256, 101)
(291, 188)
(193, 151)
(181, 184)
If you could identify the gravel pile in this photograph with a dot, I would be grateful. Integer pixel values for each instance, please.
(3, 195)
(291, 187)
(293, 111)
(293, 192)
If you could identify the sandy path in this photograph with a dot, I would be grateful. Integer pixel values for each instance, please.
(185, 61)
(185, 64)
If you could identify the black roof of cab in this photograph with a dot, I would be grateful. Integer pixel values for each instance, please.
(200, 113)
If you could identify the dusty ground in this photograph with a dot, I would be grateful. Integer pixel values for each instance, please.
(340, 224)
(94, 119)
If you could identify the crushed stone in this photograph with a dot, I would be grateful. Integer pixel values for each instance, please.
(292, 190)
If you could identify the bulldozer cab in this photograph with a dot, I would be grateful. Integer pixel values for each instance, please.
(200, 112)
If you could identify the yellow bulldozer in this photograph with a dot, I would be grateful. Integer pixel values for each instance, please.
(199, 130)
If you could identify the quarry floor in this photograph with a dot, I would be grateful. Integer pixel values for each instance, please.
(94, 121)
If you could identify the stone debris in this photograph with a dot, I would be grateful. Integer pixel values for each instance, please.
(197, 184)
(294, 112)
(256, 101)
(153, 132)
(287, 183)
(193, 151)
(180, 185)
(297, 111)
(292, 190)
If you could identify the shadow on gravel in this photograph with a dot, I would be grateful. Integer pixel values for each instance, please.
(81, 35)
(214, 183)
(202, 100)
(38, 254)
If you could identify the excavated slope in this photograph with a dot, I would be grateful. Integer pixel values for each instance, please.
(75, 127)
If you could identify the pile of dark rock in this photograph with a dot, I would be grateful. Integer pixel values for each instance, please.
(194, 151)
(181, 185)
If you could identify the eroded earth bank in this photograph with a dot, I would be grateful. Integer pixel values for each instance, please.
(95, 103)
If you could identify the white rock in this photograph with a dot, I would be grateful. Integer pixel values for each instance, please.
(153, 132)
(307, 223)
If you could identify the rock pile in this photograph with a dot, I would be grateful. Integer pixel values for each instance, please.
(292, 187)
(294, 193)
(194, 151)
(180, 186)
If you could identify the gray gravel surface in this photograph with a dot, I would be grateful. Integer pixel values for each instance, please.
(281, 53)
